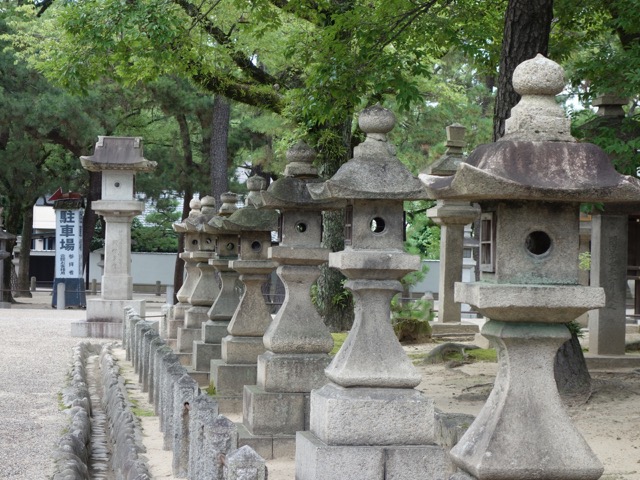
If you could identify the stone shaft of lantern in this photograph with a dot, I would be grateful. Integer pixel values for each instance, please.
(504, 441)
(451, 242)
(117, 282)
(372, 356)
(190, 280)
(252, 316)
(298, 327)
(227, 300)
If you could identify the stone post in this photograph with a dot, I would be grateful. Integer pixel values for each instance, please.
(4, 254)
(240, 349)
(119, 159)
(607, 326)
(369, 421)
(297, 341)
(530, 187)
(452, 217)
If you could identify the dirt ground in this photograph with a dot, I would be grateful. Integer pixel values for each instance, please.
(609, 420)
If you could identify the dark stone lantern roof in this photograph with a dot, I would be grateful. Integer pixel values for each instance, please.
(537, 159)
(290, 191)
(374, 172)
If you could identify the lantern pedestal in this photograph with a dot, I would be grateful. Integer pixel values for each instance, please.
(506, 442)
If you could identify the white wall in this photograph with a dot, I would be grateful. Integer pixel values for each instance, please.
(146, 268)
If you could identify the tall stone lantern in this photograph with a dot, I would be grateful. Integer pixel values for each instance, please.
(369, 421)
(530, 185)
(297, 341)
(241, 347)
(191, 242)
(205, 289)
(118, 159)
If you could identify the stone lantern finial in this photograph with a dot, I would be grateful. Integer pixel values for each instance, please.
(194, 207)
(229, 204)
(538, 117)
(255, 184)
(299, 161)
(449, 162)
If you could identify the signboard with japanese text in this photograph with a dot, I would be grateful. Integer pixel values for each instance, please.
(69, 243)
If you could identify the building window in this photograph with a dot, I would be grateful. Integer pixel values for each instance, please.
(487, 242)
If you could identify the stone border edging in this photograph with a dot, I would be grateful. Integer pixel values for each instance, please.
(125, 433)
(72, 455)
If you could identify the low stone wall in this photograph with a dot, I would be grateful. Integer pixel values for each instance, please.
(72, 454)
(204, 443)
(125, 434)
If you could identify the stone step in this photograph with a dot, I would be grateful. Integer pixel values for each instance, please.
(267, 446)
(202, 377)
(606, 362)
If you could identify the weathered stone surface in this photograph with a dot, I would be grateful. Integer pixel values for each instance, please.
(609, 271)
(410, 463)
(316, 460)
(371, 356)
(266, 413)
(530, 303)
(245, 464)
(543, 443)
(294, 373)
(344, 416)
(241, 350)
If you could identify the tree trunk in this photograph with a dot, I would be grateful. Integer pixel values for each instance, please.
(89, 221)
(333, 301)
(526, 33)
(219, 157)
(24, 284)
(570, 370)
(187, 153)
(12, 225)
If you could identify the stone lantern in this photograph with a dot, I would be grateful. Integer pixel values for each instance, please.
(5, 238)
(452, 216)
(191, 272)
(297, 341)
(240, 349)
(530, 185)
(214, 329)
(204, 287)
(118, 159)
(369, 421)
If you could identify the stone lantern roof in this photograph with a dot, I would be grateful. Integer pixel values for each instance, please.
(203, 215)
(117, 153)
(194, 212)
(290, 191)
(249, 218)
(537, 159)
(374, 172)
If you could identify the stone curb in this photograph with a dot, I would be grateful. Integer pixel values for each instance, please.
(126, 436)
(72, 455)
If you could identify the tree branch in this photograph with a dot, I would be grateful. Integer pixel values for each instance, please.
(263, 97)
(239, 58)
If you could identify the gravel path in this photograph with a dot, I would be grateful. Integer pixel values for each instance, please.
(35, 352)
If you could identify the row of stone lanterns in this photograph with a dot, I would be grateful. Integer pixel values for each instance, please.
(365, 419)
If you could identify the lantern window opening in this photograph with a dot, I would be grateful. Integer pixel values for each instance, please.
(301, 227)
(538, 243)
(487, 242)
(256, 246)
(377, 225)
(348, 224)
(280, 228)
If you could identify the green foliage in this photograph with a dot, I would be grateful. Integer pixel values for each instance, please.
(338, 340)
(158, 235)
(211, 389)
(575, 328)
(422, 235)
(584, 261)
(410, 319)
